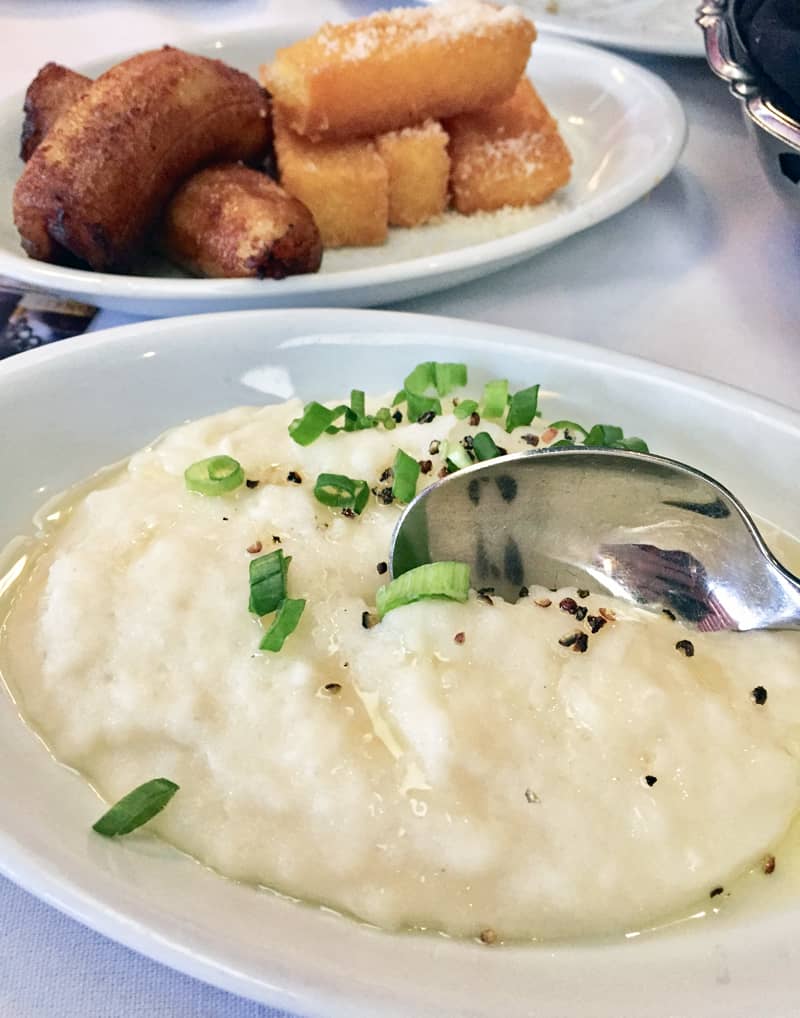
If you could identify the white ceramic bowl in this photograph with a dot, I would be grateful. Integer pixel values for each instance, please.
(68, 409)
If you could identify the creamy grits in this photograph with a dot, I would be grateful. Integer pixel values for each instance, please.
(454, 767)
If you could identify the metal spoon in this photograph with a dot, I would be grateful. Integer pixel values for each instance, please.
(647, 529)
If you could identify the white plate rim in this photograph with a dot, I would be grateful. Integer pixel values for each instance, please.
(760, 406)
(371, 283)
(44, 880)
(635, 42)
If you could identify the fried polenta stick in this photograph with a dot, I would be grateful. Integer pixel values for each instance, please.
(396, 68)
(52, 92)
(345, 184)
(419, 169)
(511, 154)
(95, 187)
(231, 221)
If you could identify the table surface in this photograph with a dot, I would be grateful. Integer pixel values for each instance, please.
(700, 275)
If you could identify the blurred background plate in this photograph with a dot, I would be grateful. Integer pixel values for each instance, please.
(624, 126)
(646, 26)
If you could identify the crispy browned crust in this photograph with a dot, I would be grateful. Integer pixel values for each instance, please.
(51, 93)
(229, 220)
(94, 188)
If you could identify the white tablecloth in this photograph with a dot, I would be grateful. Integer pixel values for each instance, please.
(701, 275)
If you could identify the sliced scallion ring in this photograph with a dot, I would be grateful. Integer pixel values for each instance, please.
(484, 446)
(465, 408)
(136, 808)
(445, 580)
(341, 492)
(419, 405)
(457, 456)
(568, 426)
(216, 475)
(315, 420)
(421, 378)
(447, 377)
(633, 444)
(522, 408)
(384, 417)
(283, 625)
(268, 581)
(430, 374)
(406, 472)
(603, 435)
(358, 402)
(495, 398)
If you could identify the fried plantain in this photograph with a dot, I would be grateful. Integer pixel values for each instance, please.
(52, 92)
(228, 220)
(94, 188)
(224, 221)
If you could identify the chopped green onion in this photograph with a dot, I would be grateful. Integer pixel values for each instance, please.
(384, 417)
(568, 425)
(447, 377)
(603, 435)
(268, 581)
(284, 623)
(633, 444)
(406, 472)
(136, 808)
(421, 378)
(483, 445)
(214, 476)
(315, 420)
(448, 580)
(356, 417)
(419, 405)
(495, 398)
(341, 491)
(522, 409)
(457, 457)
(442, 376)
(465, 408)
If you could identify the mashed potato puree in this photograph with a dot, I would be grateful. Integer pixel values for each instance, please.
(405, 773)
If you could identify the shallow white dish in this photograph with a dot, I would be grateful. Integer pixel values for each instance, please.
(645, 26)
(623, 125)
(78, 405)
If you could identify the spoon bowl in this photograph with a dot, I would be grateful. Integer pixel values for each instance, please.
(644, 528)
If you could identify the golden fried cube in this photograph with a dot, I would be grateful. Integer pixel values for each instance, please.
(396, 68)
(510, 154)
(419, 169)
(343, 183)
